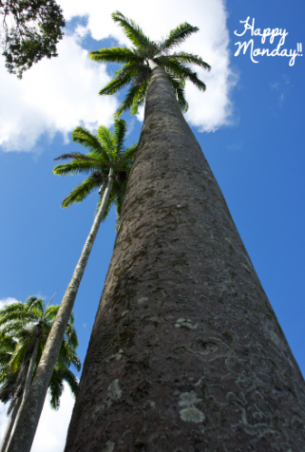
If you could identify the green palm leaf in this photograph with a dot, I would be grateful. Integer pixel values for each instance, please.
(120, 128)
(115, 55)
(75, 167)
(80, 192)
(105, 138)
(132, 30)
(87, 139)
(178, 88)
(183, 72)
(131, 97)
(117, 83)
(185, 58)
(178, 35)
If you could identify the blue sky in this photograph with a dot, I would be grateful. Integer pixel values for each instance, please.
(254, 144)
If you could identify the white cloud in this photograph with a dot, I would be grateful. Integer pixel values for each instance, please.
(7, 301)
(55, 95)
(52, 427)
(58, 94)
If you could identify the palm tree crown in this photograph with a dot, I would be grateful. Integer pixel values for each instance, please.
(21, 324)
(106, 152)
(137, 70)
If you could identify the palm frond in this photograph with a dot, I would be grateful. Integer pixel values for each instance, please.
(56, 388)
(120, 128)
(87, 139)
(179, 70)
(34, 304)
(75, 361)
(178, 87)
(130, 98)
(80, 192)
(115, 55)
(75, 167)
(117, 83)
(71, 337)
(19, 318)
(185, 58)
(131, 29)
(12, 308)
(119, 199)
(105, 138)
(139, 99)
(178, 35)
(50, 313)
(76, 155)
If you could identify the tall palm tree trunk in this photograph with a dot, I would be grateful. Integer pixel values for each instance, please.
(186, 353)
(10, 424)
(29, 417)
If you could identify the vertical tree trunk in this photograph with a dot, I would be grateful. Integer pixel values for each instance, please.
(186, 353)
(29, 417)
(10, 425)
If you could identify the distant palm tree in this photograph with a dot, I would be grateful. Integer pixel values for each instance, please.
(140, 60)
(24, 328)
(106, 159)
(109, 164)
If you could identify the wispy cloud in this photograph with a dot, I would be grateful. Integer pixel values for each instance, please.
(7, 301)
(235, 147)
(281, 87)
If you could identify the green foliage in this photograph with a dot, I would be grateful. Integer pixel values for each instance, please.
(36, 31)
(136, 73)
(106, 151)
(21, 324)
(178, 35)
(132, 30)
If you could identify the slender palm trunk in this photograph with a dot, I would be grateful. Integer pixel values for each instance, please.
(186, 353)
(26, 389)
(10, 425)
(29, 418)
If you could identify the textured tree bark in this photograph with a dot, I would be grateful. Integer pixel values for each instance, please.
(29, 417)
(186, 353)
(10, 425)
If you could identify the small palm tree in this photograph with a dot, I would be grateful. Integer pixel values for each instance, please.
(140, 60)
(24, 328)
(106, 158)
(109, 165)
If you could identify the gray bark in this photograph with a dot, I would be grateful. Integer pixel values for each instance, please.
(186, 353)
(10, 425)
(29, 418)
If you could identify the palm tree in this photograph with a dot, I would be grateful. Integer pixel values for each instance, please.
(108, 163)
(186, 352)
(24, 328)
(140, 60)
(106, 154)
